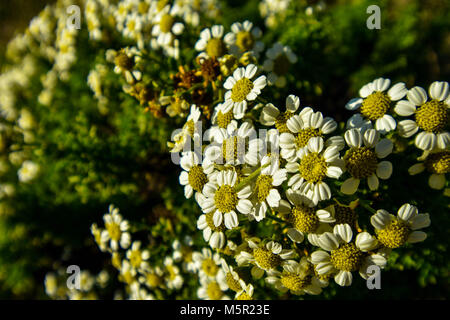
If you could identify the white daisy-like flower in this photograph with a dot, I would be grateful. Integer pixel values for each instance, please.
(116, 230)
(139, 293)
(361, 160)
(243, 38)
(302, 214)
(346, 256)
(97, 233)
(316, 164)
(394, 231)
(189, 131)
(215, 236)
(223, 117)
(222, 198)
(207, 263)
(241, 90)
(28, 171)
(212, 289)
(271, 115)
(174, 280)
(127, 273)
(431, 116)
(302, 128)
(138, 257)
(133, 25)
(232, 277)
(437, 163)
(195, 175)
(264, 256)
(211, 42)
(234, 146)
(152, 277)
(166, 27)
(374, 103)
(279, 60)
(265, 190)
(296, 277)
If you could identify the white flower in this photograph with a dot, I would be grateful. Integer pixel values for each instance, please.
(300, 212)
(222, 198)
(278, 63)
(138, 258)
(265, 191)
(316, 164)
(246, 293)
(431, 116)
(173, 280)
(28, 171)
(437, 163)
(393, 232)
(195, 176)
(241, 90)
(207, 263)
(243, 38)
(211, 43)
(223, 117)
(166, 26)
(152, 277)
(303, 127)
(374, 105)
(361, 160)
(271, 115)
(212, 289)
(189, 131)
(346, 256)
(297, 277)
(234, 146)
(232, 277)
(264, 257)
(116, 229)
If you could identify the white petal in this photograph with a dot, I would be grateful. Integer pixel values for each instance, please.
(425, 140)
(439, 90)
(437, 181)
(407, 212)
(373, 182)
(417, 236)
(343, 231)
(417, 95)
(295, 235)
(397, 91)
(350, 186)
(384, 170)
(343, 278)
(405, 108)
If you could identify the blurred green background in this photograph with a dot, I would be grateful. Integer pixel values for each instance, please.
(117, 163)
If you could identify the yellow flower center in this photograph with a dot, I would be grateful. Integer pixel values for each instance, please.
(209, 267)
(304, 219)
(135, 258)
(280, 121)
(127, 277)
(375, 105)
(303, 136)
(131, 25)
(113, 230)
(438, 162)
(347, 257)
(244, 296)
(266, 259)
(433, 116)
(224, 119)
(172, 272)
(245, 41)
(123, 61)
(361, 162)
(143, 7)
(313, 167)
(215, 48)
(226, 198)
(295, 282)
(281, 65)
(190, 125)
(394, 235)
(197, 178)
(263, 186)
(166, 23)
(153, 280)
(233, 284)
(241, 89)
(213, 291)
